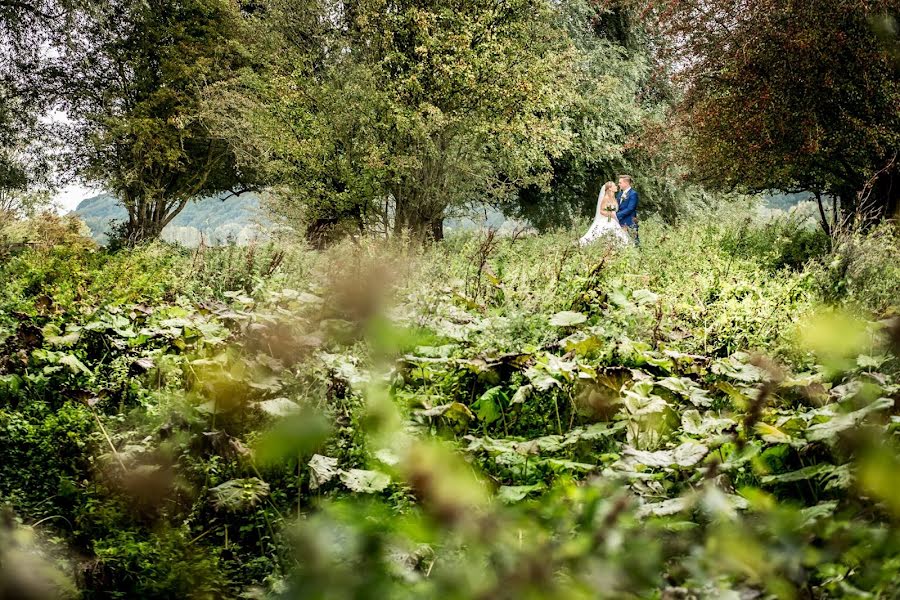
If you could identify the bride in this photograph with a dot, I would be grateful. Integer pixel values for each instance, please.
(606, 224)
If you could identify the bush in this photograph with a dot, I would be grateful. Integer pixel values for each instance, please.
(863, 270)
(789, 241)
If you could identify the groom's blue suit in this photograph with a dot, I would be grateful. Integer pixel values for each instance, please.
(627, 208)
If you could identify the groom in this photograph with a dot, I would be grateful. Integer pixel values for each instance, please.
(628, 202)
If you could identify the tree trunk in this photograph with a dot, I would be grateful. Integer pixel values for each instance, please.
(142, 230)
(825, 226)
(402, 215)
(437, 229)
(147, 218)
(848, 202)
(883, 199)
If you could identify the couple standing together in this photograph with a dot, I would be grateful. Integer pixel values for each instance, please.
(616, 214)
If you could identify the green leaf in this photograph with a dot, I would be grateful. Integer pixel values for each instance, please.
(864, 361)
(239, 494)
(567, 318)
(64, 341)
(839, 423)
(363, 481)
(488, 408)
(74, 365)
(510, 494)
(803, 474)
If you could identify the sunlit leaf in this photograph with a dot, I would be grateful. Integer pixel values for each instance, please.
(322, 469)
(239, 494)
(363, 481)
(567, 318)
(75, 366)
(279, 407)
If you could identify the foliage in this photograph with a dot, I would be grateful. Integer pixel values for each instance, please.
(863, 269)
(749, 120)
(395, 115)
(620, 104)
(528, 420)
(135, 74)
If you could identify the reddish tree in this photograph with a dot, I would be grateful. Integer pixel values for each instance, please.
(790, 95)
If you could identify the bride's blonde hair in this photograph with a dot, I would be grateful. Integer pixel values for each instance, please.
(608, 191)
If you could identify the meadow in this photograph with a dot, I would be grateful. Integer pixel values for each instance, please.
(711, 415)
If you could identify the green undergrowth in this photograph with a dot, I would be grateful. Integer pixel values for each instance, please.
(709, 415)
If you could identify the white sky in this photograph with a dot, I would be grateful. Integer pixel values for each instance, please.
(69, 197)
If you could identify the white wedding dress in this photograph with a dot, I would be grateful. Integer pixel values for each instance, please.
(607, 228)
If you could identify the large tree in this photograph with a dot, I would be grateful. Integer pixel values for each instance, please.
(790, 95)
(394, 113)
(26, 92)
(137, 71)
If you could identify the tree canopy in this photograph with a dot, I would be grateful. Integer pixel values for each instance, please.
(136, 74)
(394, 114)
(788, 95)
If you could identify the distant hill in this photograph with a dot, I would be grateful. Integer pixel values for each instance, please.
(237, 219)
(785, 201)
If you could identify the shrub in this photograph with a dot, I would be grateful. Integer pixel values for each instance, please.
(789, 241)
(863, 270)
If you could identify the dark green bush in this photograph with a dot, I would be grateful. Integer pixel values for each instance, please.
(787, 242)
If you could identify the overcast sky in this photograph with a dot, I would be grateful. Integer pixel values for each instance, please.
(69, 197)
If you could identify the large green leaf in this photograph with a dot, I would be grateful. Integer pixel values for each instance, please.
(567, 318)
(239, 494)
(364, 481)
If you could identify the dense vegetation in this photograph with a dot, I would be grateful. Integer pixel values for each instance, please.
(797, 95)
(363, 407)
(490, 417)
(380, 117)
